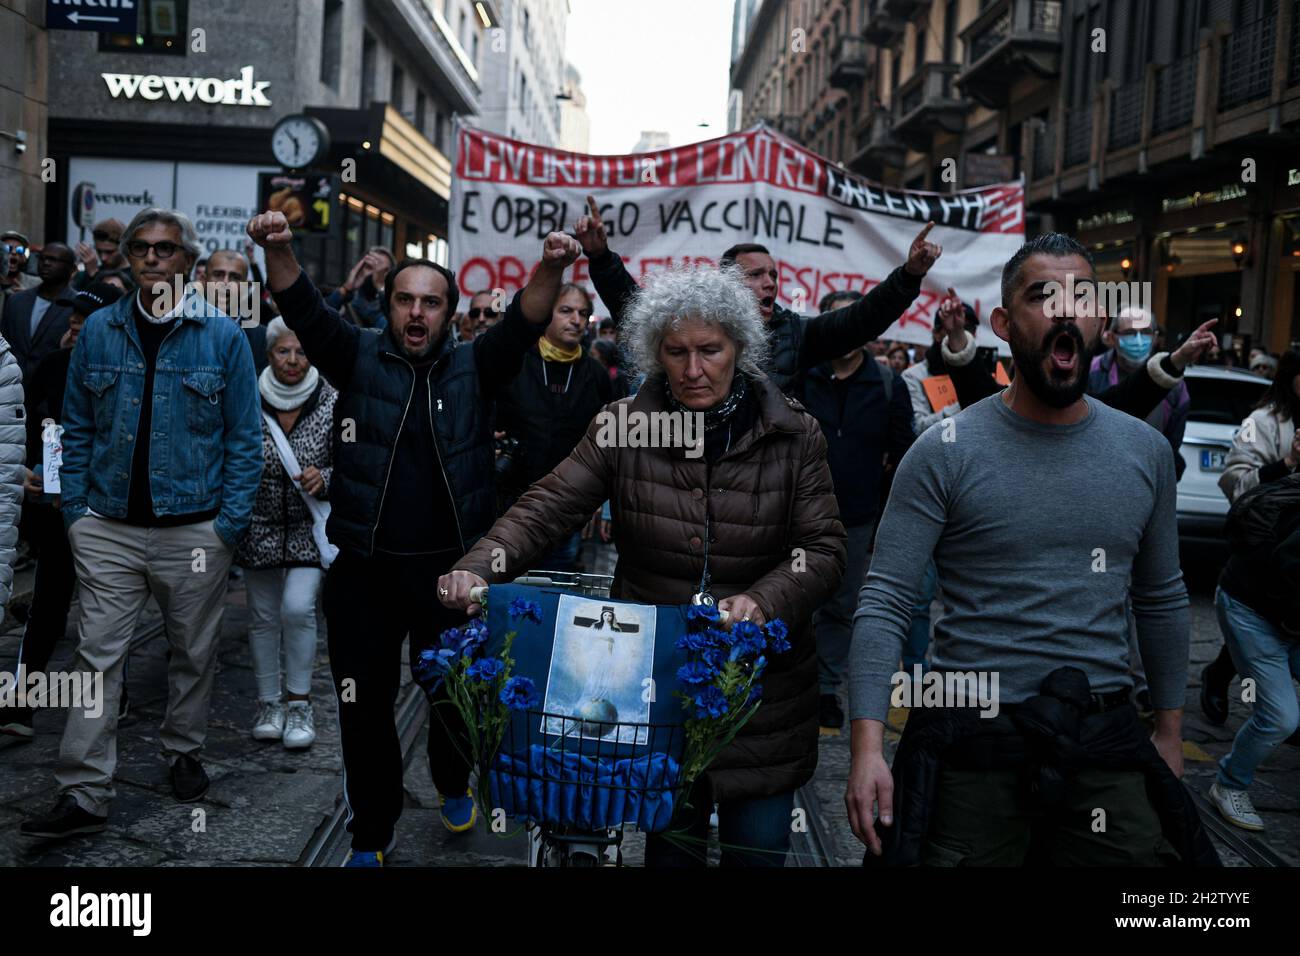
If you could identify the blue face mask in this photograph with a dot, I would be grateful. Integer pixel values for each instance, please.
(1134, 347)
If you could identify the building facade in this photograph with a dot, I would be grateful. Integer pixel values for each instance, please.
(23, 98)
(524, 71)
(1164, 134)
(181, 114)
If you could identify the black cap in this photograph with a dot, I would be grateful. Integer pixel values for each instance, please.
(94, 297)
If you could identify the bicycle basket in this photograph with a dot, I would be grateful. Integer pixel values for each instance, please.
(603, 747)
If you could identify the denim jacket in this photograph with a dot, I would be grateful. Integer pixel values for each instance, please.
(205, 450)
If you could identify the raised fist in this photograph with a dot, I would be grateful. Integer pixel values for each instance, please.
(560, 251)
(270, 230)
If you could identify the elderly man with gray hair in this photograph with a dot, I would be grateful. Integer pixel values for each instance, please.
(162, 456)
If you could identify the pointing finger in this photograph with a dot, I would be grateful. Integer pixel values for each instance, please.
(591, 204)
(924, 232)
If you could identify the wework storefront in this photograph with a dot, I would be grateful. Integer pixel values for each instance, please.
(151, 127)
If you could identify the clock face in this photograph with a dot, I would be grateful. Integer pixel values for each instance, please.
(295, 142)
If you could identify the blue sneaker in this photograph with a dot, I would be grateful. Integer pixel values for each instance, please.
(358, 858)
(459, 814)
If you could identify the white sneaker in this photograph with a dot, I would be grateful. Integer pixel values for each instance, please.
(1235, 807)
(270, 721)
(299, 726)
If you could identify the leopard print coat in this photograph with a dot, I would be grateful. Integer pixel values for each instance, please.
(280, 535)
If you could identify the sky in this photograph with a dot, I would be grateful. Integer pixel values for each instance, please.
(652, 64)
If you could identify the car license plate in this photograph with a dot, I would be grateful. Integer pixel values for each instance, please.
(1213, 460)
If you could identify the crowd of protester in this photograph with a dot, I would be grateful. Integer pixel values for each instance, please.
(350, 445)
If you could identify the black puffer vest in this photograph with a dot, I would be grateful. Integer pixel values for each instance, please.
(785, 337)
(368, 417)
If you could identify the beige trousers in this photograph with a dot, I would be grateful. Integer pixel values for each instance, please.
(118, 567)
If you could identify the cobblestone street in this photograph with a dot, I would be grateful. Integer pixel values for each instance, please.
(268, 806)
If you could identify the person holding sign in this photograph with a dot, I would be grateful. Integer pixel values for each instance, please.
(797, 342)
(750, 518)
(412, 490)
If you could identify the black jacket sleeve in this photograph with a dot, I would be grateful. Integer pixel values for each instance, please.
(499, 352)
(330, 343)
(832, 334)
(614, 284)
(901, 435)
(972, 382)
(1139, 394)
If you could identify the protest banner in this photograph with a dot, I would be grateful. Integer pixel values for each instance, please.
(827, 228)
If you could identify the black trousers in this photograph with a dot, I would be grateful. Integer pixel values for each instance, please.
(56, 580)
(371, 605)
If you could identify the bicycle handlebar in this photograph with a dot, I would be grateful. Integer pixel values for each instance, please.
(478, 595)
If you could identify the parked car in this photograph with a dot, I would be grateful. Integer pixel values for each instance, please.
(1221, 398)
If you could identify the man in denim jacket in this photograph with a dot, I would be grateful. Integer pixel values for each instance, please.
(162, 455)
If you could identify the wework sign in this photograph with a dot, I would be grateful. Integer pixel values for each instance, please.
(239, 91)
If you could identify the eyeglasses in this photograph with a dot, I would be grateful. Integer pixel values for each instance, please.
(66, 260)
(138, 248)
(17, 250)
(101, 236)
(486, 313)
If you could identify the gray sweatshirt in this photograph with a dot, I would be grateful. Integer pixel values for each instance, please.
(1040, 533)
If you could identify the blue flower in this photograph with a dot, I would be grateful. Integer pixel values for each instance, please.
(520, 693)
(703, 612)
(777, 634)
(748, 638)
(755, 695)
(477, 630)
(487, 669)
(433, 663)
(696, 672)
(711, 703)
(530, 610)
(694, 641)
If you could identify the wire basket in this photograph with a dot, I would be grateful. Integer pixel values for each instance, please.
(585, 773)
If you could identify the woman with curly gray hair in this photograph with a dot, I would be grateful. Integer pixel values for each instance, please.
(747, 515)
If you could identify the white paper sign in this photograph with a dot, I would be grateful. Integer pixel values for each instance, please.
(52, 456)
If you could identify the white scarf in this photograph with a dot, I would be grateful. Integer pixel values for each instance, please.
(286, 398)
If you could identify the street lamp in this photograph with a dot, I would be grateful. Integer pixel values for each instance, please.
(1240, 248)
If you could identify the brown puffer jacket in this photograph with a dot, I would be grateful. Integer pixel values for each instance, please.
(778, 538)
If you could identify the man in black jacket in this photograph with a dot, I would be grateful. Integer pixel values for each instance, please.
(34, 322)
(798, 343)
(549, 405)
(412, 491)
(866, 416)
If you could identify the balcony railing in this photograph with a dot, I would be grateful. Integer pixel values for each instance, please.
(1007, 39)
(1126, 115)
(1078, 135)
(879, 26)
(877, 143)
(1246, 69)
(1175, 95)
(849, 64)
(928, 102)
